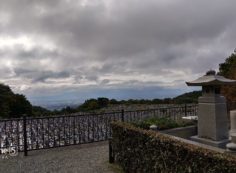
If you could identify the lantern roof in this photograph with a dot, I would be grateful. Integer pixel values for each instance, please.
(211, 79)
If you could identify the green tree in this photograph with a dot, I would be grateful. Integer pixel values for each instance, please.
(90, 104)
(191, 97)
(5, 97)
(113, 101)
(228, 70)
(13, 105)
(4, 109)
(19, 106)
(39, 111)
(102, 102)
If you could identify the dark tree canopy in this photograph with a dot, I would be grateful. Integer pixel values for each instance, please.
(13, 105)
(19, 106)
(228, 70)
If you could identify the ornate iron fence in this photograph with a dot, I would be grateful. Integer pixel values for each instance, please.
(29, 133)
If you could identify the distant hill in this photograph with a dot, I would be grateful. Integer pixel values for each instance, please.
(191, 97)
(99, 103)
(15, 105)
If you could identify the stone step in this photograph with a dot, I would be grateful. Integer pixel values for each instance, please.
(233, 137)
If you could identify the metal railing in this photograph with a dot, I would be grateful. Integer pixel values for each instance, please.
(29, 133)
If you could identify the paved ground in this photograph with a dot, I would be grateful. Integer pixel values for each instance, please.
(86, 158)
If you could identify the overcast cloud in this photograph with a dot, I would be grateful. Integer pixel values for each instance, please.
(77, 49)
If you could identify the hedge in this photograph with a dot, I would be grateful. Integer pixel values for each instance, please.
(162, 123)
(144, 151)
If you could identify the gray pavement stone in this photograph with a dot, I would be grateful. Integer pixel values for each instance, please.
(85, 158)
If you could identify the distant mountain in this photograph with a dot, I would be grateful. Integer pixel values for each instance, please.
(59, 106)
(190, 97)
(15, 105)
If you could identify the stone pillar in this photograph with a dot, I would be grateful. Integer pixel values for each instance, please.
(153, 127)
(212, 121)
(232, 122)
(232, 145)
(212, 118)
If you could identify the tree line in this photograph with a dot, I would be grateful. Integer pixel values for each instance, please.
(16, 105)
(102, 102)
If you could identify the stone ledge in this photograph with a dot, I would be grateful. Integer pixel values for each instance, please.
(182, 132)
(220, 144)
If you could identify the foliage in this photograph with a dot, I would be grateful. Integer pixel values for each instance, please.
(5, 98)
(138, 150)
(161, 123)
(15, 105)
(93, 104)
(228, 70)
(39, 111)
(102, 102)
(19, 106)
(113, 102)
(191, 97)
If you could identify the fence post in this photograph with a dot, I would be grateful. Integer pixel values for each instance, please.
(122, 115)
(25, 136)
(111, 154)
(185, 110)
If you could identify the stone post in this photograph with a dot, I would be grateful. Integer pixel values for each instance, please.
(232, 145)
(232, 121)
(153, 127)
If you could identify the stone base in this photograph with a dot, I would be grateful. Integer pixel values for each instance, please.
(219, 144)
(231, 147)
(212, 118)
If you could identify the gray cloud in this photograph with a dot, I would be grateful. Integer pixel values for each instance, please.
(70, 43)
(41, 76)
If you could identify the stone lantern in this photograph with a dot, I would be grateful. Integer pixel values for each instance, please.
(213, 124)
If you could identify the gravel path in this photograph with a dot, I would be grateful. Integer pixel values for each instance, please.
(86, 158)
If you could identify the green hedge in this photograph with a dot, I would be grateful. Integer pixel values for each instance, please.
(162, 123)
(143, 151)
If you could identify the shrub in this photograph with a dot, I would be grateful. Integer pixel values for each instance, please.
(162, 123)
(143, 151)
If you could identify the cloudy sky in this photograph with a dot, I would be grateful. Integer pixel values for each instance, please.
(62, 50)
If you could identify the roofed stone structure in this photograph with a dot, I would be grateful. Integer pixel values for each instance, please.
(213, 124)
(211, 79)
